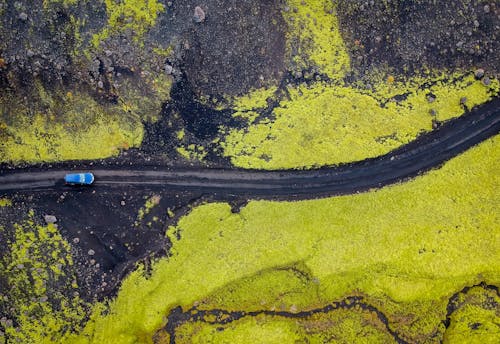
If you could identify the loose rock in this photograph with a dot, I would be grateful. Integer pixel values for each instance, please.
(479, 73)
(91, 252)
(23, 16)
(50, 219)
(199, 15)
(486, 81)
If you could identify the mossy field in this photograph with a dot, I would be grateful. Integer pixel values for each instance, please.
(326, 121)
(402, 265)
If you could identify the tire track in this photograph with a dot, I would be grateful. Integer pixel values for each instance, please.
(427, 152)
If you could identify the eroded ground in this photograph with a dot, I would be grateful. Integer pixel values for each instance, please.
(249, 84)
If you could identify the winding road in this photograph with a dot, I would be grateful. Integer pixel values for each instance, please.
(427, 152)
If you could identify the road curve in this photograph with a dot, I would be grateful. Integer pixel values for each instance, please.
(426, 152)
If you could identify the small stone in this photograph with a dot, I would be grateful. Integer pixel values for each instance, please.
(122, 203)
(486, 8)
(479, 73)
(91, 252)
(108, 53)
(431, 98)
(23, 16)
(43, 299)
(50, 219)
(100, 84)
(476, 23)
(30, 53)
(168, 69)
(199, 15)
(463, 100)
(486, 81)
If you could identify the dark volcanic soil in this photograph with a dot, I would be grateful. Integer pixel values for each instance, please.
(103, 228)
(409, 36)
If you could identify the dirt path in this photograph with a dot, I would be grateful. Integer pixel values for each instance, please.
(427, 152)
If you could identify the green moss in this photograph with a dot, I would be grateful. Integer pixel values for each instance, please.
(329, 123)
(192, 152)
(137, 16)
(66, 127)
(5, 202)
(410, 244)
(180, 134)
(256, 99)
(40, 285)
(313, 38)
(339, 326)
(324, 124)
(476, 319)
(65, 3)
(249, 330)
(151, 202)
(145, 96)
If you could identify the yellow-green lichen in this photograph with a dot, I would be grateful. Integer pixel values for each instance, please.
(180, 134)
(137, 16)
(40, 292)
(5, 202)
(192, 152)
(145, 96)
(256, 99)
(314, 39)
(151, 202)
(476, 319)
(410, 244)
(338, 326)
(331, 122)
(324, 124)
(67, 127)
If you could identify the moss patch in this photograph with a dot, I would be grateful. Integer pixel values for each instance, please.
(136, 16)
(339, 326)
(66, 127)
(412, 255)
(476, 319)
(325, 125)
(40, 285)
(339, 121)
(5, 202)
(313, 38)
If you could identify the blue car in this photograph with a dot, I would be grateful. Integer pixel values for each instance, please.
(86, 178)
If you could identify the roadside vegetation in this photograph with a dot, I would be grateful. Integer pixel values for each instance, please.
(319, 123)
(414, 247)
(39, 299)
